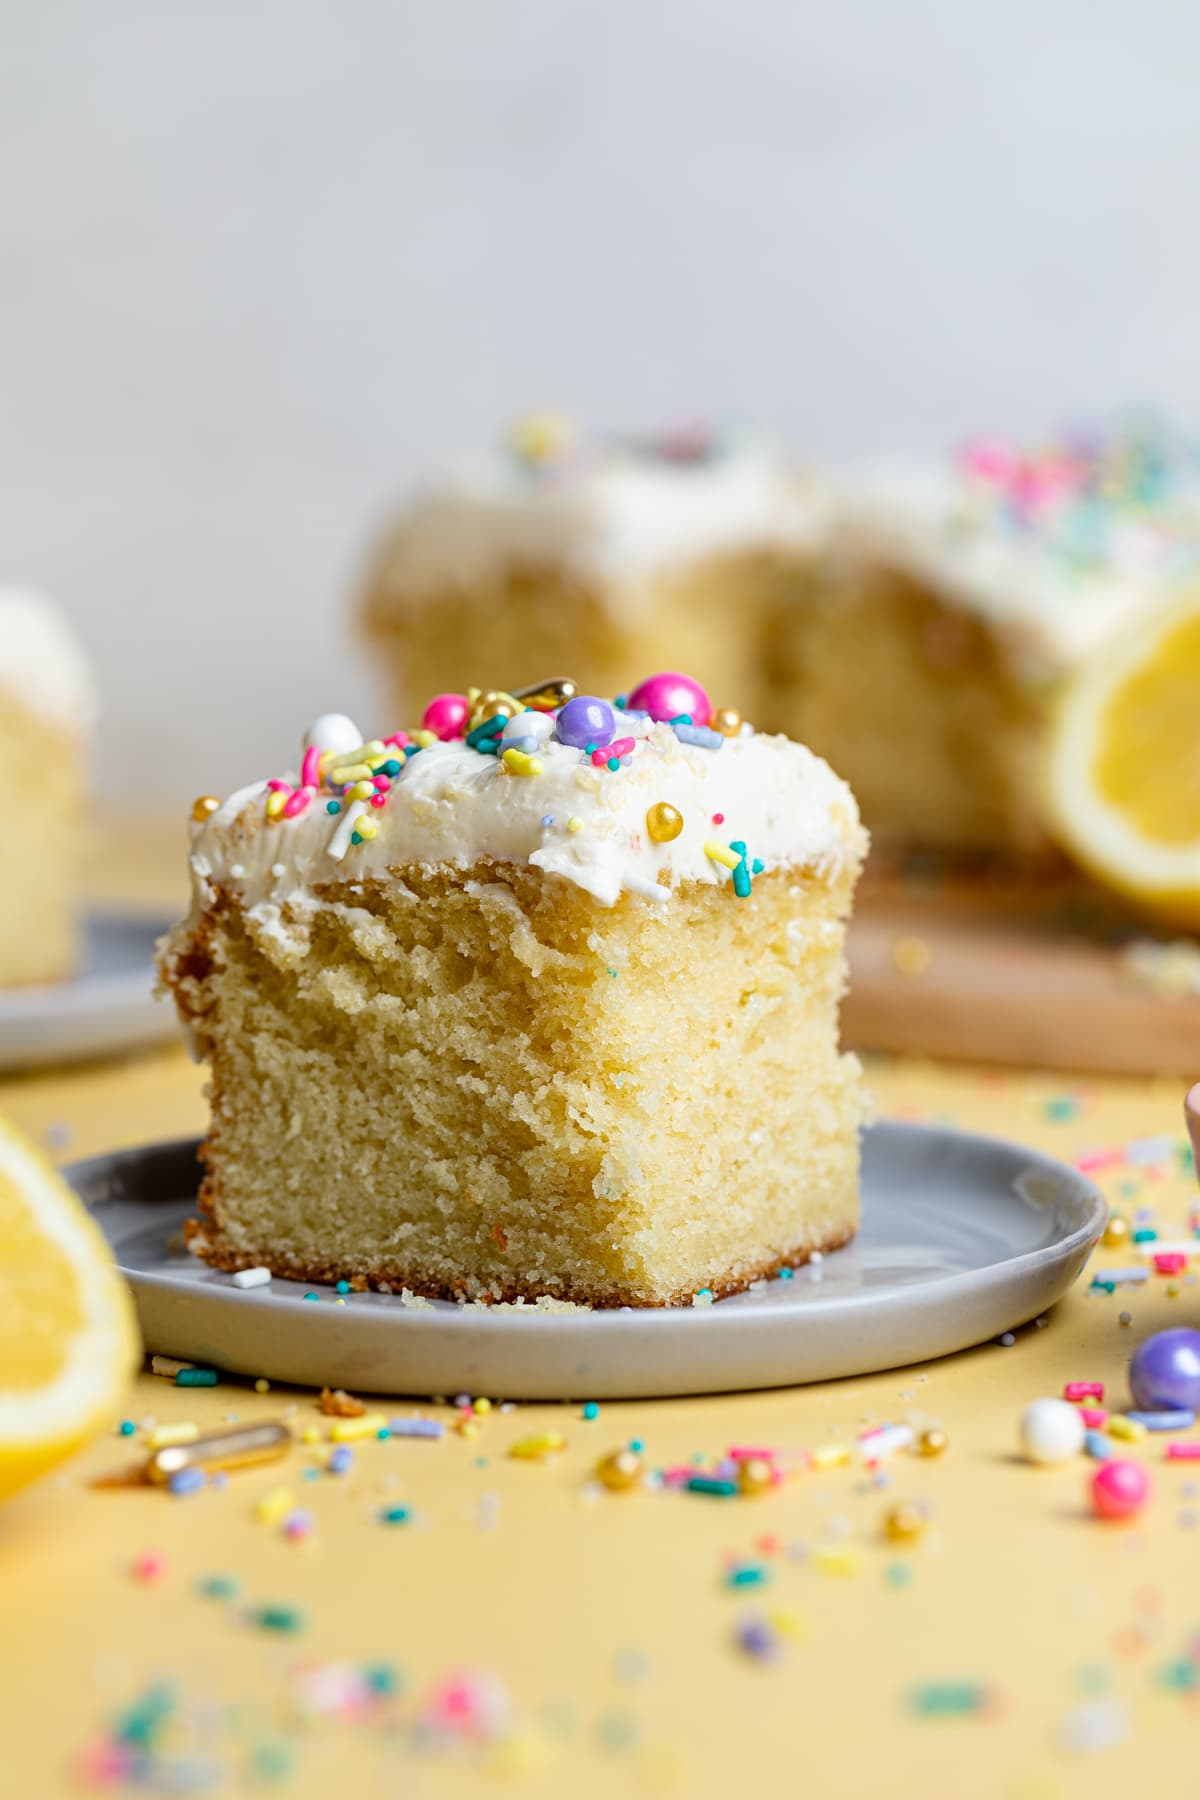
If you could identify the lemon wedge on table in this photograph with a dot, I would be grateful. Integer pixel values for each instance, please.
(68, 1342)
(1124, 772)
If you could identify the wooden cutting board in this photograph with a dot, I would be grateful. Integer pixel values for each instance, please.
(1010, 969)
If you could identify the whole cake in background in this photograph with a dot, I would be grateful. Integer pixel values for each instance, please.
(594, 554)
(539, 998)
(47, 712)
(913, 622)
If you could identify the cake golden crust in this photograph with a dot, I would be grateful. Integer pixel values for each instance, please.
(203, 1241)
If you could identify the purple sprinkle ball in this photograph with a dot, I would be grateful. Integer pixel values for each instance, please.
(1164, 1374)
(585, 720)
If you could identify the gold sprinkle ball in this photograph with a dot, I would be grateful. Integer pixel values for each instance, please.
(486, 705)
(904, 1523)
(663, 822)
(1116, 1232)
(933, 1442)
(755, 1475)
(727, 720)
(204, 807)
(619, 1471)
(541, 437)
(911, 955)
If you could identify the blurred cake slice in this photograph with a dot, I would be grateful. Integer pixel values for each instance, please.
(955, 599)
(550, 1008)
(47, 709)
(597, 555)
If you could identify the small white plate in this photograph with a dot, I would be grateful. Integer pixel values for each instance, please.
(108, 1007)
(963, 1237)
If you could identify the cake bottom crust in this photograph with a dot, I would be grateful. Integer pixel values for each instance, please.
(203, 1242)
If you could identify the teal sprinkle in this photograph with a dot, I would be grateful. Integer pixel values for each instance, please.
(333, 806)
(1103, 1287)
(681, 719)
(590, 749)
(217, 1587)
(943, 1699)
(614, 763)
(591, 1410)
(705, 1293)
(279, 1618)
(898, 1574)
(384, 1433)
(711, 1484)
(312, 1296)
(491, 728)
(391, 767)
(1064, 1107)
(196, 1378)
(343, 1287)
(744, 1575)
(1147, 1235)
(127, 1428)
(382, 1679)
(786, 1274)
(394, 1515)
(411, 750)
(621, 701)
(637, 1446)
(355, 838)
(1182, 1676)
(757, 866)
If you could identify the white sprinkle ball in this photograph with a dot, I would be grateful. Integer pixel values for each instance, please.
(333, 731)
(1051, 1431)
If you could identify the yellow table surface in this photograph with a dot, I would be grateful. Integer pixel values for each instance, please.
(607, 1618)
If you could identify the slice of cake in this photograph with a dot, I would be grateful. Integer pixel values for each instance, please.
(597, 555)
(47, 709)
(544, 1005)
(954, 600)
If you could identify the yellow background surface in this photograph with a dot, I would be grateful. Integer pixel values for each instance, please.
(607, 1618)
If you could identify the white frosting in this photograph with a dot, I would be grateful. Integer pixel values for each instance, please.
(41, 661)
(1049, 609)
(614, 516)
(453, 806)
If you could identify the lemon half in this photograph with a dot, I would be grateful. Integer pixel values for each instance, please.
(1124, 770)
(68, 1342)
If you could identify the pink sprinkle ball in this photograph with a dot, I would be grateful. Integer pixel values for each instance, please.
(447, 715)
(668, 695)
(1120, 1489)
(150, 1566)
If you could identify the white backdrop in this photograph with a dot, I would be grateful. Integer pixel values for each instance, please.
(263, 262)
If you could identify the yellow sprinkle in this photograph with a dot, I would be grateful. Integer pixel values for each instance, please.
(310, 1435)
(423, 739)
(376, 748)
(483, 1406)
(366, 828)
(345, 1431)
(163, 1436)
(836, 1559)
(362, 790)
(911, 955)
(345, 772)
(1120, 1427)
(275, 804)
(262, 1385)
(831, 1456)
(721, 853)
(272, 1507)
(574, 823)
(788, 1624)
(543, 1443)
(467, 1428)
(520, 763)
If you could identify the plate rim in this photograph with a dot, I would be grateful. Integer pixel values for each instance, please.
(680, 1319)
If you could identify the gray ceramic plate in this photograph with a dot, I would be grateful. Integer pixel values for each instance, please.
(963, 1237)
(107, 1008)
